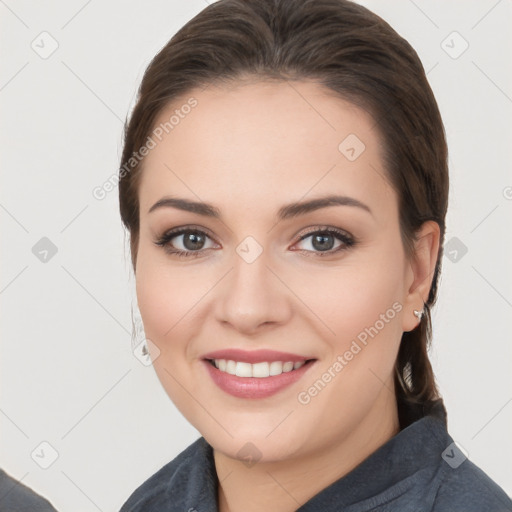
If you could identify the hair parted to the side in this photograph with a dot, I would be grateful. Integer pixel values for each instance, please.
(352, 52)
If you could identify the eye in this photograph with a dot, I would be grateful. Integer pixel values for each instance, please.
(325, 241)
(186, 242)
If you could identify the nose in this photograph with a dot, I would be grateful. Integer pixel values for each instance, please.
(252, 298)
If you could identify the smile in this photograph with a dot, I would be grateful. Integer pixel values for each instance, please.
(258, 370)
(255, 374)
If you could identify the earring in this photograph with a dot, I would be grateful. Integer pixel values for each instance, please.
(418, 314)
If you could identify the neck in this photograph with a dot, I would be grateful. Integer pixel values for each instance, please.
(285, 485)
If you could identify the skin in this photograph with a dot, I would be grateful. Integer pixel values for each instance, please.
(249, 149)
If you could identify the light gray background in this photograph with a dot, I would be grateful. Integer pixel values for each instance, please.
(68, 374)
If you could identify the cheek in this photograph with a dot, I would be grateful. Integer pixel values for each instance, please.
(167, 299)
(166, 296)
(362, 305)
(156, 301)
(168, 290)
(353, 296)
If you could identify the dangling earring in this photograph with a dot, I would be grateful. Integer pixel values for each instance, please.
(138, 335)
(418, 314)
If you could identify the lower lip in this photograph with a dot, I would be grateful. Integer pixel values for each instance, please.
(254, 387)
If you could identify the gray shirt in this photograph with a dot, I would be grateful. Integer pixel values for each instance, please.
(418, 470)
(16, 497)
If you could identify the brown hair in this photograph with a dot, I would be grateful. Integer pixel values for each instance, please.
(357, 55)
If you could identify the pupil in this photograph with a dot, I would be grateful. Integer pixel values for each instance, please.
(193, 241)
(323, 242)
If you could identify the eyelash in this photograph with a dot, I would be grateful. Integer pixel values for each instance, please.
(165, 239)
(347, 241)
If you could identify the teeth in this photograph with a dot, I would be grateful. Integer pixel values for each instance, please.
(243, 370)
(230, 367)
(259, 370)
(276, 368)
(287, 367)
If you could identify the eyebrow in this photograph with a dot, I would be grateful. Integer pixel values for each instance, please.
(286, 212)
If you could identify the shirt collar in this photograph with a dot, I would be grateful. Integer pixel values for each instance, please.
(415, 448)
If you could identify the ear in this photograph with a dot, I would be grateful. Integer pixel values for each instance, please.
(420, 272)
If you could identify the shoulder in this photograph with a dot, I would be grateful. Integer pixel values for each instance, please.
(16, 497)
(175, 479)
(467, 488)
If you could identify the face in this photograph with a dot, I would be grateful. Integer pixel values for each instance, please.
(271, 276)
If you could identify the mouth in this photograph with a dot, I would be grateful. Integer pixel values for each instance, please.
(255, 374)
(257, 370)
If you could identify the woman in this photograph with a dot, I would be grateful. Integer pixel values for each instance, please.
(284, 182)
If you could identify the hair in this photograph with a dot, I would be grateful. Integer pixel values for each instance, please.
(350, 51)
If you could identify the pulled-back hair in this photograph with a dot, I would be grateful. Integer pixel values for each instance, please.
(355, 54)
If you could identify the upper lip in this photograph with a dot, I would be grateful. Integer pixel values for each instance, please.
(255, 356)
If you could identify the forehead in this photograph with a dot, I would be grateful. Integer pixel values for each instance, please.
(263, 141)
